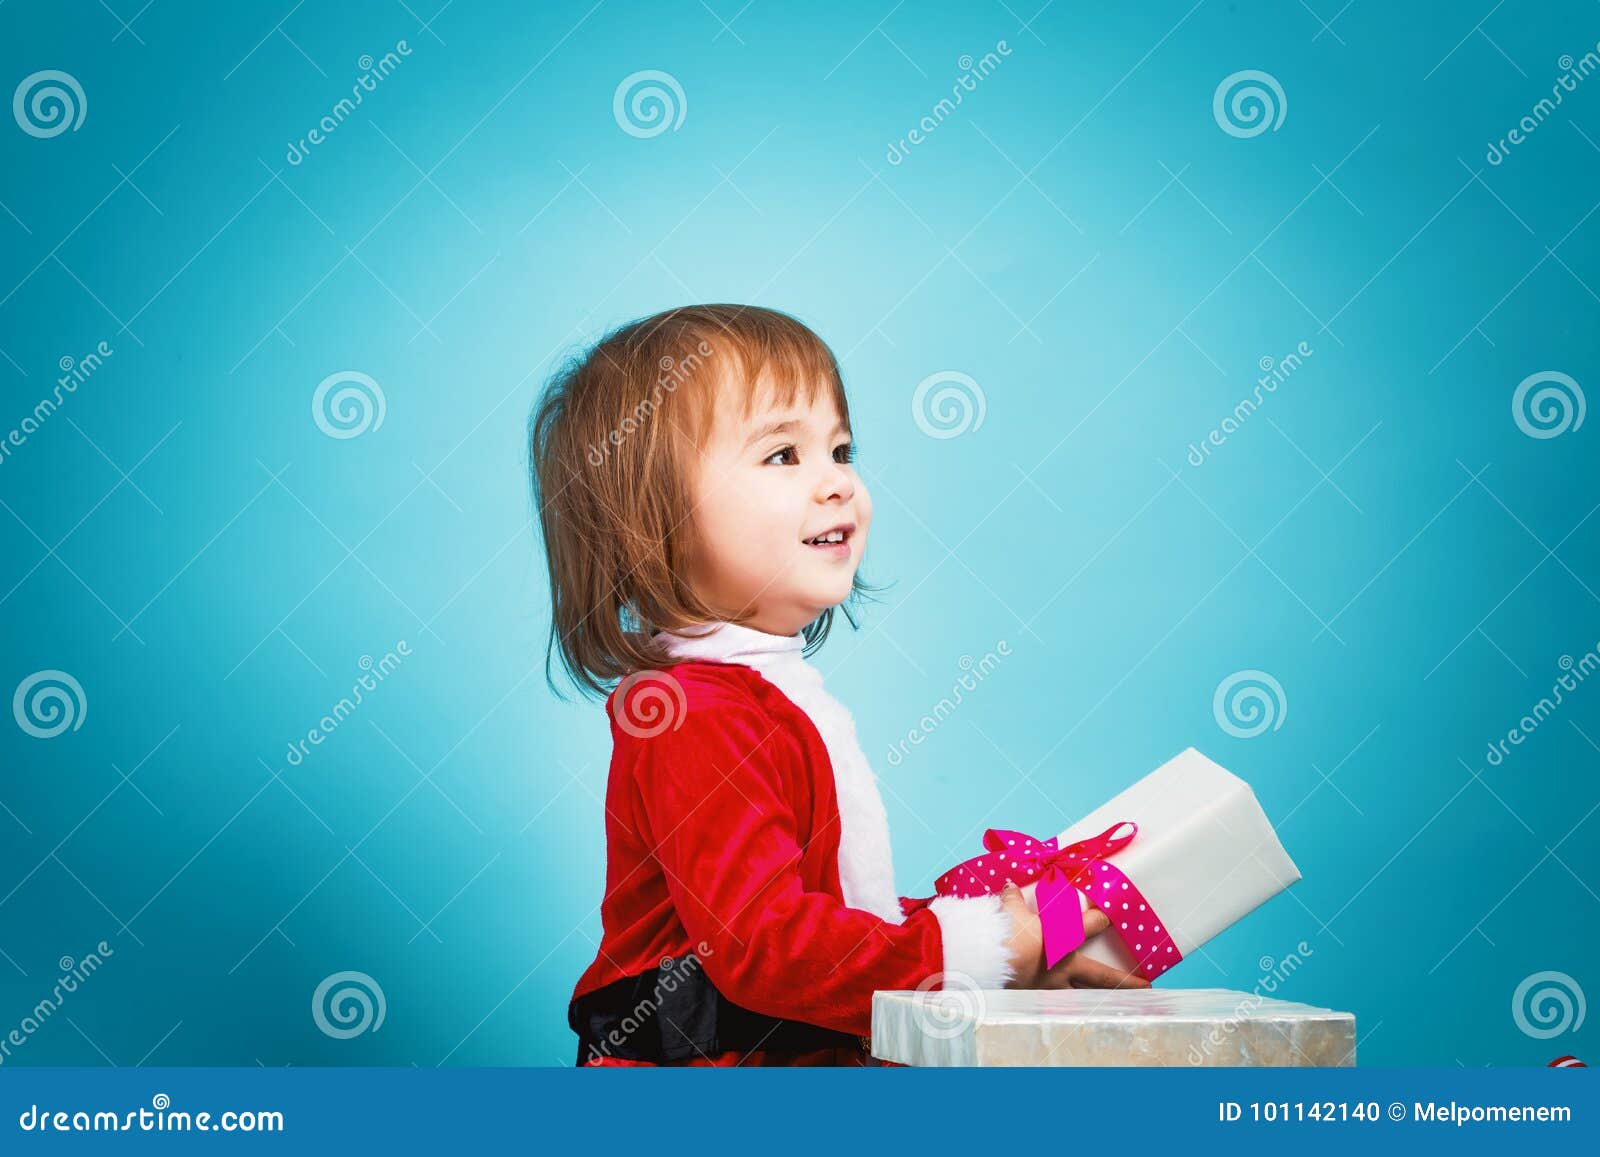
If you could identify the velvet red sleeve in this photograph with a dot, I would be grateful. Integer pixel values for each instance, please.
(716, 804)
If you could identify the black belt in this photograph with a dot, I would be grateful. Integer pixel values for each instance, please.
(674, 1013)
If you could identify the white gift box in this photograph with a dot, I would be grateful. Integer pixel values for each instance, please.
(1205, 855)
(1182, 1027)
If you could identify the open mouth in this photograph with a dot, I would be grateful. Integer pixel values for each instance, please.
(834, 541)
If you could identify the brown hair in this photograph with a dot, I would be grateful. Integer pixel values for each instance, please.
(612, 440)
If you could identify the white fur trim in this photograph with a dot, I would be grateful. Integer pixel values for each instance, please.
(977, 938)
(866, 867)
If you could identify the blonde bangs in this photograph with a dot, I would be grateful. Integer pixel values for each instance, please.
(765, 366)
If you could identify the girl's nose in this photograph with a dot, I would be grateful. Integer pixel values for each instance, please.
(838, 483)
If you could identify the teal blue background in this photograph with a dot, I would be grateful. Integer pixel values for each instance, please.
(447, 840)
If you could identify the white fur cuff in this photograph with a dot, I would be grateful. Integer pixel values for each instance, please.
(977, 936)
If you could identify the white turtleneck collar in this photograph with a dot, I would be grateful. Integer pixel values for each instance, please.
(728, 643)
(866, 866)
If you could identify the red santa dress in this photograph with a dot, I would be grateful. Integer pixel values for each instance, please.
(750, 909)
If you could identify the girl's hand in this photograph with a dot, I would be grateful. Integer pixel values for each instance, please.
(1073, 970)
(1027, 939)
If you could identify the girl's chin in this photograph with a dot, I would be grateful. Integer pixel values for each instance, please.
(834, 594)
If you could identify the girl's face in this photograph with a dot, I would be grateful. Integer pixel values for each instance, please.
(765, 488)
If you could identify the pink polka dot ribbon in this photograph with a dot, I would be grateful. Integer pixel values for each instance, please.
(1061, 873)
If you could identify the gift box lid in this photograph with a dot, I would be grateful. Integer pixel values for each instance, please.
(1086, 1026)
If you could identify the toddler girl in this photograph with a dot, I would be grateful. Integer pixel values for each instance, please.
(702, 520)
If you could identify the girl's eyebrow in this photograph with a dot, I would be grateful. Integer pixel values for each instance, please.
(786, 426)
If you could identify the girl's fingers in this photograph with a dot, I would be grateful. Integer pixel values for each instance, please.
(1088, 973)
(1013, 904)
(1095, 922)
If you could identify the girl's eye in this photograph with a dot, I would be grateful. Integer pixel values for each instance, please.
(843, 453)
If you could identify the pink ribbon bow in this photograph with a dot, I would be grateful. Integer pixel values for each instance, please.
(1060, 873)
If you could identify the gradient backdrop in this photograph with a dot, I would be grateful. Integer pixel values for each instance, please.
(1102, 250)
